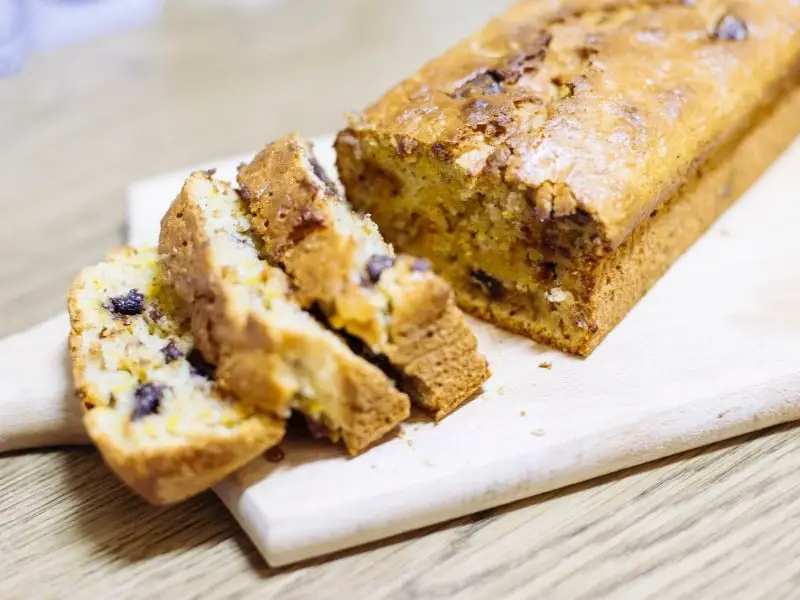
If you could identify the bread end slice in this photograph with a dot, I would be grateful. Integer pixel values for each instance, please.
(150, 404)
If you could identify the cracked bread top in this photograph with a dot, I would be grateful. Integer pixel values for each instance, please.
(600, 108)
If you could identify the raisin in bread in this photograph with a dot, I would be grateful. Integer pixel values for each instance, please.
(151, 404)
(394, 307)
(556, 163)
(266, 348)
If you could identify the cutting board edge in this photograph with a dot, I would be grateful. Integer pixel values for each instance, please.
(777, 404)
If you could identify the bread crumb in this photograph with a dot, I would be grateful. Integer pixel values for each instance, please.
(538, 432)
(501, 390)
(545, 365)
(410, 443)
(522, 413)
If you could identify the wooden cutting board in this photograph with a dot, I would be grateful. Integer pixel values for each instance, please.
(712, 352)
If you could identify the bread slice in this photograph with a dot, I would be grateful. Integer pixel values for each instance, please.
(393, 306)
(151, 404)
(266, 348)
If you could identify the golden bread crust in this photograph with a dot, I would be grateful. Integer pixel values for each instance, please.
(408, 314)
(434, 347)
(258, 356)
(170, 477)
(285, 199)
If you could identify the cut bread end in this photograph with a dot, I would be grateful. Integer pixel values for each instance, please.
(151, 404)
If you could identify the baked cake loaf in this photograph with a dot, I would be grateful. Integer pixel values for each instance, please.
(151, 404)
(555, 164)
(395, 307)
(266, 348)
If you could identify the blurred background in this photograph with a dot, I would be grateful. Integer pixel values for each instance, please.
(95, 94)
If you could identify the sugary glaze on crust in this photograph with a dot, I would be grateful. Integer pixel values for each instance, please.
(604, 104)
(548, 195)
(266, 348)
(340, 264)
(617, 281)
(163, 426)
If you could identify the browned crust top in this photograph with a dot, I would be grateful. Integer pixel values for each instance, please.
(612, 103)
(286, 200)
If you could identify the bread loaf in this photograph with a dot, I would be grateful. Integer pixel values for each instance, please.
(555, 164)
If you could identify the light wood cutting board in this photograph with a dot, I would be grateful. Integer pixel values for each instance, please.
(712, 352)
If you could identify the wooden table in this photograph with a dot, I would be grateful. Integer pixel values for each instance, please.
(208, 81)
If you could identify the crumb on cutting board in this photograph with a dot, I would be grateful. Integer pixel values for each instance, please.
(538, 432)
(545, 365)
(275, 454)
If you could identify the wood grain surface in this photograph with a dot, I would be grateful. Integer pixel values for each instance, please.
(211, 80)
